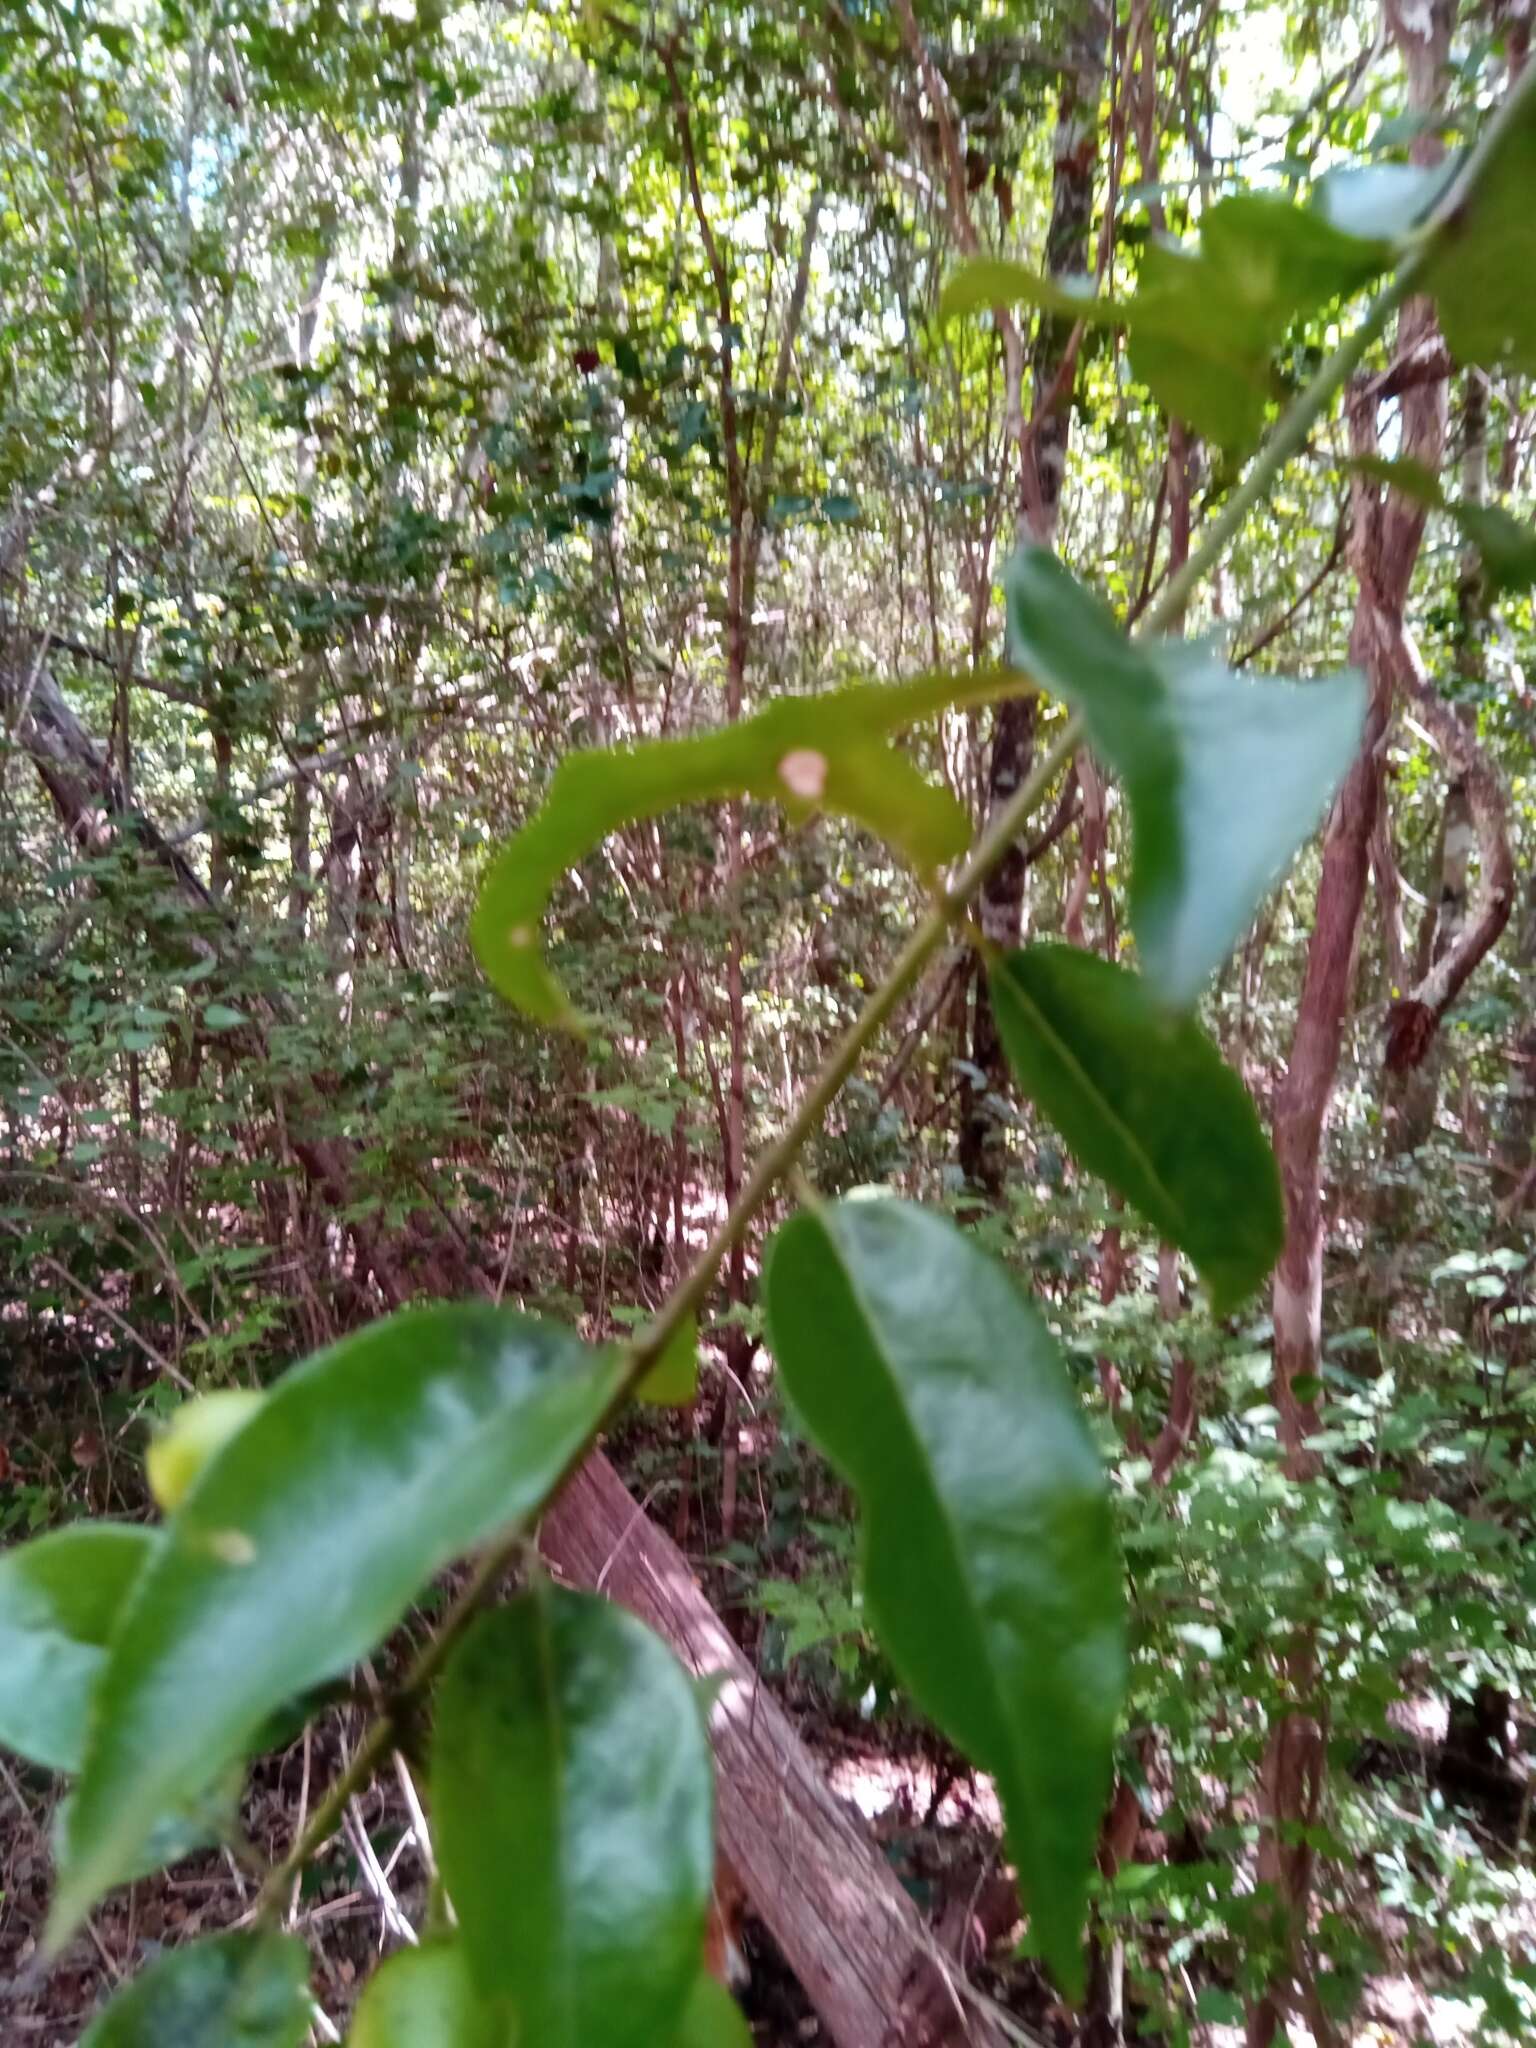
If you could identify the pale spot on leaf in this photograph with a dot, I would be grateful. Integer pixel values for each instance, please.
(803, 773)
(231, 1546)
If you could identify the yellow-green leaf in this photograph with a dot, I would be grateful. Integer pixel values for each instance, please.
(673, 1381)
(807, 753)
(190, 1437)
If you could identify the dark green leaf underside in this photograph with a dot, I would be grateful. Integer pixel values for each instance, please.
(1146, 1102)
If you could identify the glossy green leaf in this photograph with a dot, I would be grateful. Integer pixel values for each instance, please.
(364, 1471)
(232, 1991)
(1485, 254)
(572, 1799)
(807, 753)
(713, 2019)
(60, 1597)
(1148, 1104)
(423, 1998)
(673, 1381)
(990, 1565)
(1226, 775)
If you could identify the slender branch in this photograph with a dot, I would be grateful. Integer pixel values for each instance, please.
(1272, 632)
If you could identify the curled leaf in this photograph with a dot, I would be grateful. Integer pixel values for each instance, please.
(807, 753)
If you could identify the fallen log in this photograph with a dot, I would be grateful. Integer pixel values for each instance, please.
(847, 1929)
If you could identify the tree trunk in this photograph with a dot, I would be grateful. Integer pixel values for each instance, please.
(1000, 908)
(1384, 548)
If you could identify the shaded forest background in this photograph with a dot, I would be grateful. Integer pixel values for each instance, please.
(392, 401)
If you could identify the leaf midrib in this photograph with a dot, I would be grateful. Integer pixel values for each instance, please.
(951, 1535)
(1112, 1116)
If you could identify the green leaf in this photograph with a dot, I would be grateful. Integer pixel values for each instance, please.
(1206, 318)
(1506, 544)
(220, 1017)
(199, 1821)
(1148, 1104)
(807, 753)
(363, 1472)
(233, 1991)
(1402, 473)
(990, 1566)
(1219, 2008)
(60, 1597)
(712, 2019)
(982, 282)
(1275, 260)
(1226, 776)
(673, 1381)
(1381, 202)
(1196, 375)
(423, 1998)
(572, 1798)
(1206, 322)
(1484, 258)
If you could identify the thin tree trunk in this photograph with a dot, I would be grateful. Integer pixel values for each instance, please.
(1384, 549)
(1000, 908)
